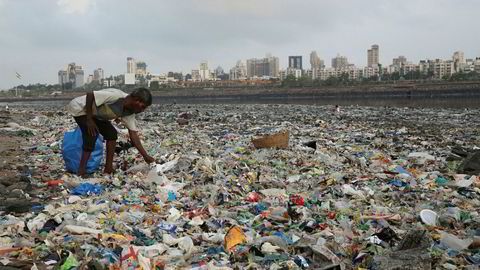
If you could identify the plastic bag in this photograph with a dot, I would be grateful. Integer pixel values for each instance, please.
(72, 151)
(88, 188)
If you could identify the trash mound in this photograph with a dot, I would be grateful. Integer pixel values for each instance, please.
(361, 188)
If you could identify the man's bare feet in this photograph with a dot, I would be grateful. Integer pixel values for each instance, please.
(108, 170)
(82, 174)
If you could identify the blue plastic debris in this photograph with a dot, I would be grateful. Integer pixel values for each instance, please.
(88, 188)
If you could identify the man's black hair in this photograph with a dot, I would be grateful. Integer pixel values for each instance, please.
(142, 94)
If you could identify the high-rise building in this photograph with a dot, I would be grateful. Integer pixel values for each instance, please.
(141, 68)
(476, 65)
(204, 72)
(90, 79)
(295, 62)
(339, 62)
(442, 68)
(316, 62)
(62, 77)
(399, 61)
(265, 67)
(196, 75)
(131, 65)
(238, 72)
(458, 61)
(79, 77)
(373, 55)
(98, 74)
(73, 74)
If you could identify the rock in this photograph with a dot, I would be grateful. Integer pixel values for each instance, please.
(414, 239)
(471, 165)
(413, 259)
(16, 206)
(7, 181)
(182, 121)
(411, 254)
(21, 185)
(475, 244)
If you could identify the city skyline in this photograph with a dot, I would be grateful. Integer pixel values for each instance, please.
(172, 36)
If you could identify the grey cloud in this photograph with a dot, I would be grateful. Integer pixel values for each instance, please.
(38, 37)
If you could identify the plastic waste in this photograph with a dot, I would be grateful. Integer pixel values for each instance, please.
(88, 188)
(453, 242)
(428, 217)
(70, 262)
(235, 236)
(81, 230)
(162, 168)
(349, 190)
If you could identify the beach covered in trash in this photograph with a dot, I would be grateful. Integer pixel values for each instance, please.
(357, 188)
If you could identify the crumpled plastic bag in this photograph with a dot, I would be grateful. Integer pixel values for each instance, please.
(184, 243)
(88, 188)
(161, 168)
(349, 190)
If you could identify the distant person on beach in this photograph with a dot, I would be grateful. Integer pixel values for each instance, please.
(93, 113)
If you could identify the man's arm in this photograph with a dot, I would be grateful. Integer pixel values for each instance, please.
(136, 142)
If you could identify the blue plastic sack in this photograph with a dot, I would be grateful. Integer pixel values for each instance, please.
(72, 151)
(87, 188)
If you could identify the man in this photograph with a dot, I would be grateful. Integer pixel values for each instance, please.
(93, 113)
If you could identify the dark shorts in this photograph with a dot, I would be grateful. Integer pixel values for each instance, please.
(105, 128)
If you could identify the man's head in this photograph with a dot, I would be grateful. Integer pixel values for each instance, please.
(140, 99)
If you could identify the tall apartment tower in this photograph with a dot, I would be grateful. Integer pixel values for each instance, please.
(131, 65)
(339, 62)
(141, 68)
(295, 62)
(268, 66)
(204, 71)
(400, 61)
(315, 61)
(373, 56)
(62, 77)
(98, 74)
(239, 71)
(458, 61)
(75, 75)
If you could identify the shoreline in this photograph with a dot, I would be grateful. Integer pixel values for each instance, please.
(356, 91)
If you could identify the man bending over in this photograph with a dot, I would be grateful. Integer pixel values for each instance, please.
(93, 113)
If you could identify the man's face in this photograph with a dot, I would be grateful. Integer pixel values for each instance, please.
(139, 106)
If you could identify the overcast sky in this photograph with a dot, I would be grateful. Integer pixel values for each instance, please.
(40, 37)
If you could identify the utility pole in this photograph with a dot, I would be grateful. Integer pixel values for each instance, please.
(19, 77)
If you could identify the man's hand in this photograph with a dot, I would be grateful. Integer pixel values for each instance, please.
(91, 127)
(149, 159)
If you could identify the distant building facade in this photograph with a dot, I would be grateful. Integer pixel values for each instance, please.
(196, 75)
(315, 61)
(339, 62)
(458, 61)
(204, 71)
(141, 68)
(98, 74)
(266, 67)
(73, 75)
(239, 71)
(295, 62)
(131, 65)
(373, 56)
